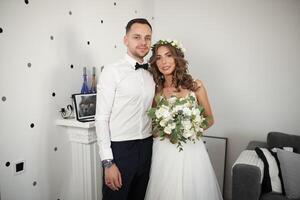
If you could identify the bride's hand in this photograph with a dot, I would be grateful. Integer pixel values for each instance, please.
(113, 178)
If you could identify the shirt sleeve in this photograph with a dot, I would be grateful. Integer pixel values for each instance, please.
(106, 89)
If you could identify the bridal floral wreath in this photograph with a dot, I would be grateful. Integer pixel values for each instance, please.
(178, 119)
(173, 43)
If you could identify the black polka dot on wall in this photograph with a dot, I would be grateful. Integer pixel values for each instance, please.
(1, 30)
(32, 125)
(55, 148)
(34, 183)
(51, 37)
(3, 98)
(101, 21)
(28, 64)
(70, 12)
(7, 164)
(26, 1)
(135, 12)
(53, 94)
(115, 46)
(71, 66)
(115, 3)
(152, 18)
(88, 42)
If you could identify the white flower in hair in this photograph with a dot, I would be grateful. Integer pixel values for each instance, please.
(173, 43)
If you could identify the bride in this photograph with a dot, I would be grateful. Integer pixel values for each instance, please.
(188, 174)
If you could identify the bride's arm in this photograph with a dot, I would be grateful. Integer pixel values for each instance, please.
(154, 104)
(202, 99)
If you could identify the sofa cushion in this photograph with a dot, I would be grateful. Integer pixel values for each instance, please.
(277, 139)
(290, 165)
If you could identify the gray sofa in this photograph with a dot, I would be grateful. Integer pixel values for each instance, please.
(247, 178)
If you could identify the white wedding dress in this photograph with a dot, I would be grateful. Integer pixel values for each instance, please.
(185, 175)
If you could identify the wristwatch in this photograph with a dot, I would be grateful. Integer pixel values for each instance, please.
(107, 163)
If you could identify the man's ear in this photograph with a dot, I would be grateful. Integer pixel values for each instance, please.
(125, 40)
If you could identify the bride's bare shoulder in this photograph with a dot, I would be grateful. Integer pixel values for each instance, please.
(198, 84)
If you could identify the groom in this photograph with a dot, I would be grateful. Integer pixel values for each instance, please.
(125, 92)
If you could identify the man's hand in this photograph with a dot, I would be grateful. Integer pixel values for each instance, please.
(112, 177)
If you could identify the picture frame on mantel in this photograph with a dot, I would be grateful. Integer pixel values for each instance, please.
(85, 106)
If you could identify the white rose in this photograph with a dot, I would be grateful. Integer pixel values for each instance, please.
(186, 124)
(187, 111)
(166, 113)
(188, 133)
(158, 113)
(177, 108)
(162, 112)
(172, 100)
(197, 119)
(198, 129)
(172, 125)
(162, 123)
(168, 130)
(187, 104)
(195, 111)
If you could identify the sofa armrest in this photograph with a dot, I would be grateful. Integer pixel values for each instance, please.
(247, 176)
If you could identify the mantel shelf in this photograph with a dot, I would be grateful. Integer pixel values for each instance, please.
(74, 123)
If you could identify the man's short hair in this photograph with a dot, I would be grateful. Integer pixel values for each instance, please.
(139, 21)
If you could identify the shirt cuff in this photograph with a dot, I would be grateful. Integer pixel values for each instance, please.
(106, 154)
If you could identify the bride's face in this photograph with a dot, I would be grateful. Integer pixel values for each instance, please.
(165, 61)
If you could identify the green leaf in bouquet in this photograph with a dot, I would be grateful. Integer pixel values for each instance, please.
(191, 98)
(201, 108)
(174, 138)
(178, 127)
(151, 113)
(180, 102)
(199, 135)
(161, 133)
(179, 146)
(157, 99)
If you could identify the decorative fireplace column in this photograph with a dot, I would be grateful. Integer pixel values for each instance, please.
(86, 182)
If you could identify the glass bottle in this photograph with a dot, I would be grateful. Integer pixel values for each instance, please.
(84, 88)
(94, 84)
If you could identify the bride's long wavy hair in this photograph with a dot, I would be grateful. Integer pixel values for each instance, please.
(181, 77)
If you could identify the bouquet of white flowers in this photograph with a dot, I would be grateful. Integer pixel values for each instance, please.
(178, 119)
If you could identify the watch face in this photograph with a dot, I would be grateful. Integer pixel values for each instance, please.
(107, 163)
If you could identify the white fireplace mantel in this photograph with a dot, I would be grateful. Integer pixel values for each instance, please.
(86, 180)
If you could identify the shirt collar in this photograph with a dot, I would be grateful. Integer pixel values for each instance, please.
(131, 60)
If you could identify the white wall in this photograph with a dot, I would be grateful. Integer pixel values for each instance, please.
(25, 38)
(247, 53)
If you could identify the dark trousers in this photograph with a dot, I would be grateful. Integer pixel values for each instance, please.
(133, 158)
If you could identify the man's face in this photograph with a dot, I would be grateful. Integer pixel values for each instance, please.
(138, 40)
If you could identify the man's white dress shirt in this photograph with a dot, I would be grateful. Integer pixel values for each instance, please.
(123, 97)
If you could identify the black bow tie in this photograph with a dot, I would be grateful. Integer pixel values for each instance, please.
(143, 66)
